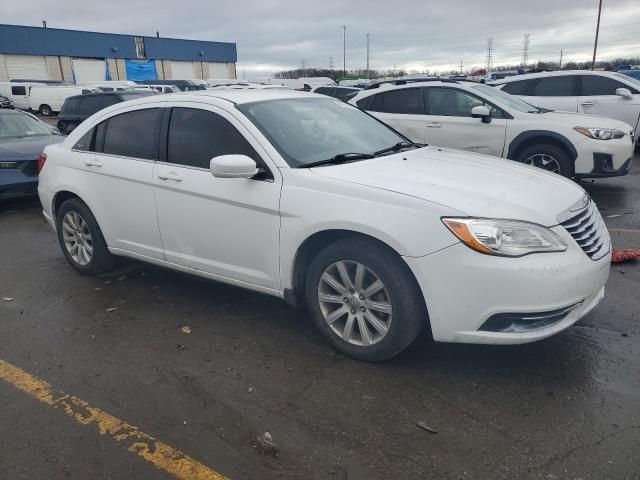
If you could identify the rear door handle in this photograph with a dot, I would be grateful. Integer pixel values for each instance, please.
(170, 176)
(93, 163)
(434, 125)
(587, 104)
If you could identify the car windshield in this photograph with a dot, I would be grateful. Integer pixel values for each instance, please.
(503, 99)
(634, 81)
(310, 130)
(21, 125)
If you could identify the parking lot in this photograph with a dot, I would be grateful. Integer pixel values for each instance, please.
(205, 370)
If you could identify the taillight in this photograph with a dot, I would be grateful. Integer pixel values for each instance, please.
(41, 160)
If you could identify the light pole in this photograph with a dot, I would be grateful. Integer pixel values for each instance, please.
(368, 35)
(344, 50)
(595, 44)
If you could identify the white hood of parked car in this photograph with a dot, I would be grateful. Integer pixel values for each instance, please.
(572, 119)
(473, 184)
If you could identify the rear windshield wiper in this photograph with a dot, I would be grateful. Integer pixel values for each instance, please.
(338, 159)
(398, 146)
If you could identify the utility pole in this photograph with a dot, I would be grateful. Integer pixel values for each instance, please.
(460, 67)
(368, 36)
(560, 67)
(595, 44)
(489, 54)
(303, 63)
(525, 50)
(344, 50)
(330, 63)
(44, 24)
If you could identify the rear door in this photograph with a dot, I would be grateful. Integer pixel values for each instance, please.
(20, 97)
(598, 97)
(555, 93)
(403, 110)
(115, 170)
(449, 122)
(227, 227)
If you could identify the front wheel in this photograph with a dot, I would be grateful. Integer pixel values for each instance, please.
(81, 239)
(549, 158)
(364, 300)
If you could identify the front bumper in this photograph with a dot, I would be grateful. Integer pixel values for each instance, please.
(463, 289)
(604, 158)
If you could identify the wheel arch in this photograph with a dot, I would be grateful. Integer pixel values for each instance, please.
(533, 137)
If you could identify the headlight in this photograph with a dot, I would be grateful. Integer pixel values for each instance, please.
(599, 133)
(509, 238)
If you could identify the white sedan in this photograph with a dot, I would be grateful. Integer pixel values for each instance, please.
(307, 198)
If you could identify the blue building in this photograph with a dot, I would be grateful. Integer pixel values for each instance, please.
(38, 53)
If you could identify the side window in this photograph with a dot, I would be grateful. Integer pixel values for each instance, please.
(521, 87)
(196, 136)
(85, 143)
(600, 85)
(18, 90)
(108, 100)
(323, 90)
(133, 134)
(451, 102)
(562, 86)
(90, 105)
(365, 102)
(405, 100)
(71, 106)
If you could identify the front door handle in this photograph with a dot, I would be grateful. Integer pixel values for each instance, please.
(587, 104)
(434, 125)
(93, 163)
(170, 176)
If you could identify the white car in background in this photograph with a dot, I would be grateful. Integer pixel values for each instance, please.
(479, 118)
(307, 198)
(608, 94)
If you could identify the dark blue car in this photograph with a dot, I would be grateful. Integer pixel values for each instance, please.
(22, 139)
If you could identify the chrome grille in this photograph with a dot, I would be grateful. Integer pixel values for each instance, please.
(589, 231)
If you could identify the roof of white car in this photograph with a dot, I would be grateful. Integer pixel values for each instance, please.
(238, 96)
(558, 73)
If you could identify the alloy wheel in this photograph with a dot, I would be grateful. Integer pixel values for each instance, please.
(543, 161)
(77, 238)
(355, 303)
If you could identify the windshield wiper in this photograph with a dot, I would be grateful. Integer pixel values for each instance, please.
(338, 159)
(397, 147)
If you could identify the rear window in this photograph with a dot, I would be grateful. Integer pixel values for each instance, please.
(18, 90)
(521, 87)
(108, 100)
(71, 105)
(90, 105)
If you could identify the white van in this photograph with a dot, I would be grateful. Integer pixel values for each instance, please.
(18, 93)
(110, 85)
(48, 100)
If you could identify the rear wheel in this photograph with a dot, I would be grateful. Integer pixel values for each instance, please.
(364, 299)
(547, 157)
(45, 110)
(81, 239)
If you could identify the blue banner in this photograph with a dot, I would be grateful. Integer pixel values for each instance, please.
(141, 70)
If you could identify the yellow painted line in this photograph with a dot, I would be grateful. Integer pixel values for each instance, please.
(159, 454)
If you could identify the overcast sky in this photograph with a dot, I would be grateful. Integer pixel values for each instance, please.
(274, 35)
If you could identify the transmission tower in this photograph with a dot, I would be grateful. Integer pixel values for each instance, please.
(489, 54)
(303, 63)
(525, 50)
(330, 63)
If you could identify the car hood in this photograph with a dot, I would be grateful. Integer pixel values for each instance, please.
(468, 183)
(25, 148)
(582, 120)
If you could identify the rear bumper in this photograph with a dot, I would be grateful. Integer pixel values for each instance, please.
(14, 183)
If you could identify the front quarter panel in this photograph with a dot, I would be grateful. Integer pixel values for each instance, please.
(311, 203)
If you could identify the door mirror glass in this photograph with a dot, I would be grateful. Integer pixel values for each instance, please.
(480, 111)
(624, 93)
(233, 166)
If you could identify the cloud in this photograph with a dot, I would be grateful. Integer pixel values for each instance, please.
(412, 34)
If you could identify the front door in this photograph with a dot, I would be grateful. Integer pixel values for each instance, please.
(228, 227)
(449, 123)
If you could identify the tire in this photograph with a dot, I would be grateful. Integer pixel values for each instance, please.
(70, 127)
(100, 260)
(45, 110)
(536, 155)
(407, 312)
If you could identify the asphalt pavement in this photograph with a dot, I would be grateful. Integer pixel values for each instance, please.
(564, 408)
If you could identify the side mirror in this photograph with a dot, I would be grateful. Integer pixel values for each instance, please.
(624, 93)
(480, 111)
(233, 166)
